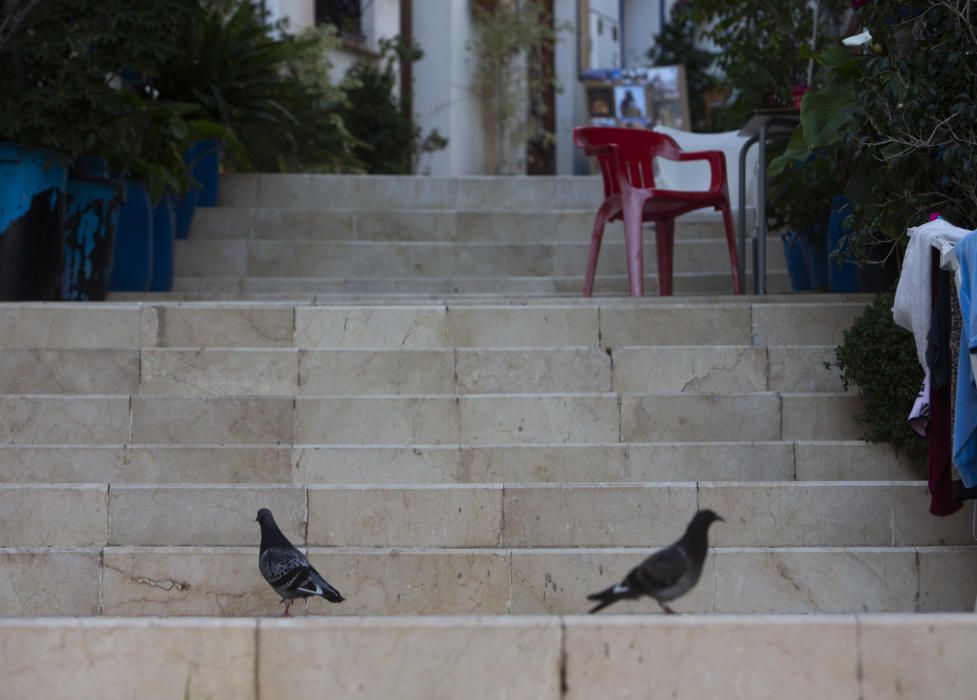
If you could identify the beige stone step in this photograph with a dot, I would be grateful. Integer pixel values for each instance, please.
(416, 260)
(314, 191)
(501, 225)
(474, 419)
(767, 514)
(225, 582)
(435, 464)
(403, 322)
(533, 658)
(284, 371)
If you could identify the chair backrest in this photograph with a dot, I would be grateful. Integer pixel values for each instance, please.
(691, 175)
(635, 152)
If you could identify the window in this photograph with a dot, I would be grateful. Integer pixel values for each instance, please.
(346, 15)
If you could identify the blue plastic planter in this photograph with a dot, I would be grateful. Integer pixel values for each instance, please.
(91, 219)
(800, 281)
(164, 233)
(132, 266)
(842, 270)
(32, 184)
(205, 159)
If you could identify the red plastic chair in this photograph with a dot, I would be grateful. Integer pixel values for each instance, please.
(626, 158)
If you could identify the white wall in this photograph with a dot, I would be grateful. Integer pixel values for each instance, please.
(571, 103)
(641, 25)
(300, 13)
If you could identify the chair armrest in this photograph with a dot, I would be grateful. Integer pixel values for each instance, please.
(607, 151)
(717, 166)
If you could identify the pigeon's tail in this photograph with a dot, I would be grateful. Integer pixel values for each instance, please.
(332, 595)
(317, 585)
(608, 596)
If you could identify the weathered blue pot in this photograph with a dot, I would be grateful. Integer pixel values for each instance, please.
(132, 265)
(32, 184)
(164, 233)
(205, 159)
(91, 217)
(842, 270)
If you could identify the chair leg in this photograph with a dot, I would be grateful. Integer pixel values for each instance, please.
(633, 205)
(734, 258)
(596, 236)
(664, 244)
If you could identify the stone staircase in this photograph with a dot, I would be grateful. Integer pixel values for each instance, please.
(300, 234)
(464, 468)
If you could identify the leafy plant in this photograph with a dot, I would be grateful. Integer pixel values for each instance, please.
(506, 33)
(269, 87)
(317, 139)
(386, 139)
(60, 61)
(879, 358)
(676, 45)
(759, 42)
(915, 126)
(161, 134)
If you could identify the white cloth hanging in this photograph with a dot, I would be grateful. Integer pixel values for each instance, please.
(912, 308)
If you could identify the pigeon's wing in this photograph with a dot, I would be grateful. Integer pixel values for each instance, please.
(313, 583)
(661, 570)
(281, 564)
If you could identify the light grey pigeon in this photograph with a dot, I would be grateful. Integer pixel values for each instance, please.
(286, 568)
(668, 573)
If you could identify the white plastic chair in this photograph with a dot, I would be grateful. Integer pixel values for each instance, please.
(691, 175)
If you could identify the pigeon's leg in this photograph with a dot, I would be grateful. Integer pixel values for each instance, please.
(287, 606)
(668, 610)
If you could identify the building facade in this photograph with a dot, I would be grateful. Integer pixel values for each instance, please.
(604, 34)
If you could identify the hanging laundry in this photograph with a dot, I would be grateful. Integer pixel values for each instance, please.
(912, 308)
(965, 412)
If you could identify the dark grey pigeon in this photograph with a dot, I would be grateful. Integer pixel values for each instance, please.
(286, 568)
(668, 573)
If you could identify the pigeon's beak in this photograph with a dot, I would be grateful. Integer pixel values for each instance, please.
(720, 518)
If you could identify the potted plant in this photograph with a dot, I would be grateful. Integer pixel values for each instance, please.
(59, 91)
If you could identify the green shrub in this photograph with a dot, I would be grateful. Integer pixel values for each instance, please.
(879, 359)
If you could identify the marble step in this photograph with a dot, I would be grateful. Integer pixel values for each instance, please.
(842, 657)
(315, 191)
(376, 224)
(285, 371)
(326, 289)
(378, 259)
(767, 514)
(225, 582)
(398, 420)
(458, 464)
(434, 324)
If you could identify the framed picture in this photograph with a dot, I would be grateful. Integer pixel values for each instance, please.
(600, 101)
(632, 102)
(669, 96)
(646, 98)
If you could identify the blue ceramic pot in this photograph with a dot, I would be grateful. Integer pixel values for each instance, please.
(32, 204)
(164, 233)
(132, 265)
